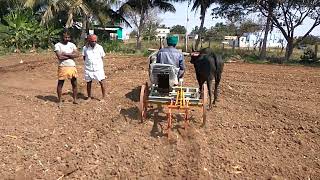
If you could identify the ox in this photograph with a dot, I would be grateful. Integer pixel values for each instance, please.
(208, 66)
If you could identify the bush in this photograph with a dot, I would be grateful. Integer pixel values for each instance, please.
(146, 53)
(308, 55)
(117, 46)
(22, 31)
(3, 51)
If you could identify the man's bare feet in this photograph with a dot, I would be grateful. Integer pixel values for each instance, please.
(88, 99)
(75, 102)
(59, 105)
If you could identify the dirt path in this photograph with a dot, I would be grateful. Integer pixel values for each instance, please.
(266, 125)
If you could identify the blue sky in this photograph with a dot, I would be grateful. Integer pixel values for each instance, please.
(180, 17)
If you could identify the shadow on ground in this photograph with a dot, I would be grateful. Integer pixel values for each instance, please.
(134, 94)
(54, 99)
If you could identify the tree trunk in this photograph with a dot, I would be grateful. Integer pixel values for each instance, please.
(140, 29)
(84, 27)
(315, 52)
(138, 43)
(200, 31)
(289, 49)
(265, 38)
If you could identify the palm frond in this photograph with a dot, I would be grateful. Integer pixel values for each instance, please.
(164, 6)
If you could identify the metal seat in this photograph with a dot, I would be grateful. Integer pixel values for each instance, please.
(165, 76)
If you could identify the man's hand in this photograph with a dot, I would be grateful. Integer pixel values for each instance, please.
(62, 56)
(72, 55)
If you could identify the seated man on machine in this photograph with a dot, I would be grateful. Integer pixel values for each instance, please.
(169, 66)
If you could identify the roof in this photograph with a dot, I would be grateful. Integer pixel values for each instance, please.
(109, 28)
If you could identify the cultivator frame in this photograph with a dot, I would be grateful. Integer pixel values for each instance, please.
(180, 98)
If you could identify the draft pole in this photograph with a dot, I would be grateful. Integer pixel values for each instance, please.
(186, 37)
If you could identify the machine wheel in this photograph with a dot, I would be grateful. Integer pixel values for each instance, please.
(143, 101)
(204, 96)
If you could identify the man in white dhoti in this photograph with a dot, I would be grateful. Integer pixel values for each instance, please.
(93, 55)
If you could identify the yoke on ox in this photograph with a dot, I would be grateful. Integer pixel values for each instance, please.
(166, 92)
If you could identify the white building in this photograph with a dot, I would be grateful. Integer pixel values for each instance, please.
(162, 32)
(230, 40)
(275, 39)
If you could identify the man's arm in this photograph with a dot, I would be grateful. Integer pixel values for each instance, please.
(158, 57)
(181, 66)
(61, 56)
(83, 53)
(102, 53)
(72, 55)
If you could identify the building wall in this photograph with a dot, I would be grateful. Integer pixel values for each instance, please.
(162, 32)
(119, 34)
(275, 39)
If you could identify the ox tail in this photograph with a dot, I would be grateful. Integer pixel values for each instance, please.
(219, 67)
(218, 72)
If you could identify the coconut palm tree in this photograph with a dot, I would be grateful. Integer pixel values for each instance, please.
(142, 7)
(49, 8)
(70, 10)
(203, 5)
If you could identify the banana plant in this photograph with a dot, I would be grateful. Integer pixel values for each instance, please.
(16, 29)
(21, 31)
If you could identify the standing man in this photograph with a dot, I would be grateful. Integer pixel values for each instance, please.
(66, 51)
(170, 55)
(93, 54)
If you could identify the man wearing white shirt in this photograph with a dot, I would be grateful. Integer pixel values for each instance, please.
(93, 54)
(66, 52)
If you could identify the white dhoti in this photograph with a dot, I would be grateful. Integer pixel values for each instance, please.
(94, 75)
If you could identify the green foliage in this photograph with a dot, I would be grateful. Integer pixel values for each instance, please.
(146, 53)
(149, 33)
(133, 34)
(17, 30)
(117, 46)
(20, 30)
(178, 29)
(3, 50)
(217, 32)
(308, 55)
(311, 40)
(249, 26)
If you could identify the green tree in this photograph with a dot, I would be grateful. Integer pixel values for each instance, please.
(217, 32)
(22, 31)
(310, 39)
(133, 34)
(151, 24)
(249, 26)
(237, 10)
(163, 26)
(178, 29)
(194, 31)
(203, 5)
(271, 4)
(137, 10)
(289, 15)
(286, 15)
(70, 11)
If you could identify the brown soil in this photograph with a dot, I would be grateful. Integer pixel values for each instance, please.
(265, 126)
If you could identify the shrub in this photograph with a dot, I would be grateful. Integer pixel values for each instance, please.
(22, 31)
(308, 55)
(117, 46)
